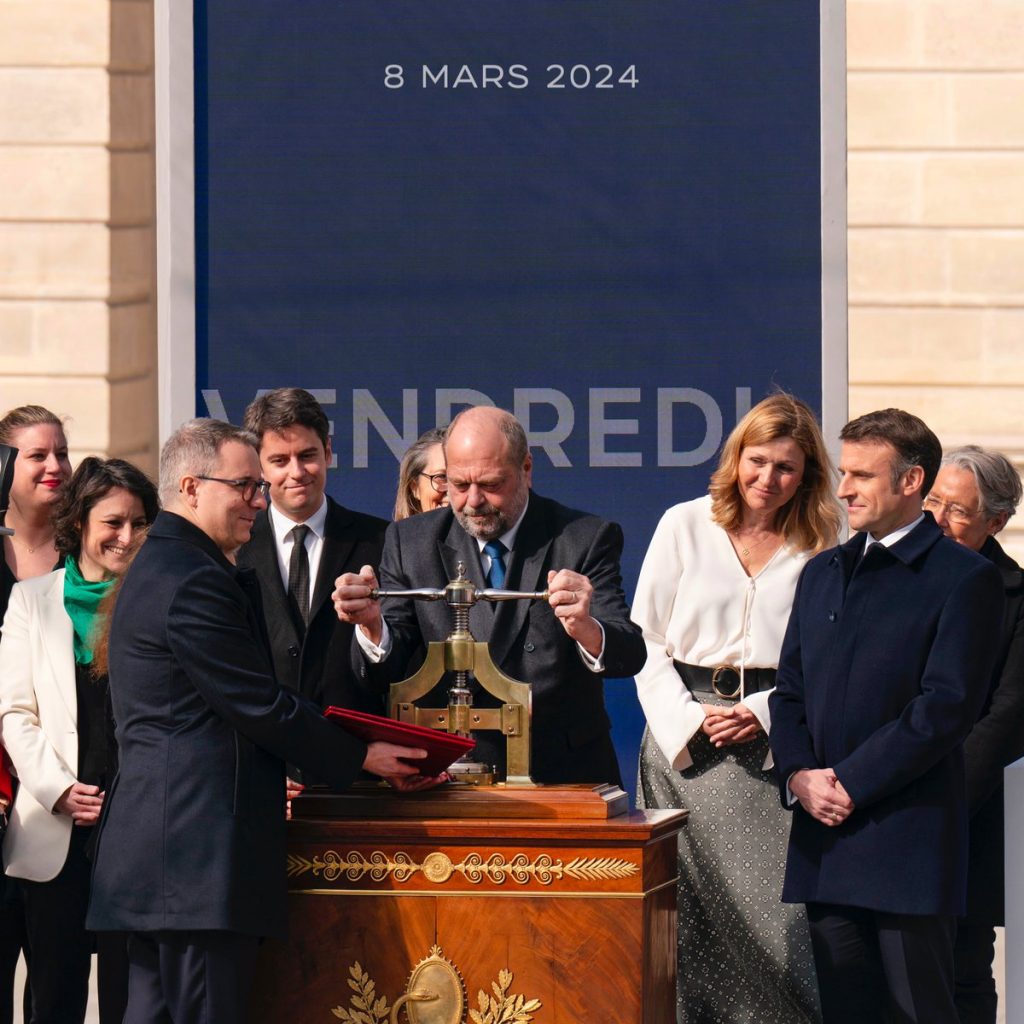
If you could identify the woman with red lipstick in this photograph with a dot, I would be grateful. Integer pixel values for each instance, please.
(40, 471)
(971, 500)
(41, 468)
(713, 600)
(55, 725)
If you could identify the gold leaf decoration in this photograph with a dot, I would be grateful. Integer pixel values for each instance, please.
(503, 1007)
(438, 867)
(597, 868)
(364, 1006)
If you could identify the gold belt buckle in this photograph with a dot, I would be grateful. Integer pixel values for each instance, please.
(716, 673)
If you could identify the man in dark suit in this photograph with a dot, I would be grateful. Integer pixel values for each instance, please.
(884, 667)
(191, 850)
(507, 536)
(312, 650)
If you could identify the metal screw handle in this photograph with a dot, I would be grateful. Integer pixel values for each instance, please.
(488, 594)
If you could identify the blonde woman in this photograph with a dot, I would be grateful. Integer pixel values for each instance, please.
(713, 600)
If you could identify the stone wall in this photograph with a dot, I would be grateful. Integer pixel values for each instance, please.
(936, 217)
(76, 219)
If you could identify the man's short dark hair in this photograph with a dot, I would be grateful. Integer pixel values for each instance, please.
(915, 444)
(282, 408)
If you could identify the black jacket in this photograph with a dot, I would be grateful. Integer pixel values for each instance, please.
(995, 741)
(193, 830)
(319, 664)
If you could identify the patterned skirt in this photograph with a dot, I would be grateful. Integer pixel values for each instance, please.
(744, 956)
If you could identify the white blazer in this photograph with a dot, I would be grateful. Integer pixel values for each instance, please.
(38, 724)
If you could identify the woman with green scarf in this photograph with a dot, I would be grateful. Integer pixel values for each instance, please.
(55, 725)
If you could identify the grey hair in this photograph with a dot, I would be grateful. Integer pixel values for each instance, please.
(194, 450)
(998, 482)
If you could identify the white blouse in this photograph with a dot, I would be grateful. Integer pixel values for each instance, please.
(696, 604)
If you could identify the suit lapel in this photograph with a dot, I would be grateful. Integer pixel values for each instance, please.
(528, 559)
(58, 639)
(272, 593)
(334, 559)
(458, 547)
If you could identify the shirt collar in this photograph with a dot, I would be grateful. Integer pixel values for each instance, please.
(891, 538)
(509, 538)
(282, 525)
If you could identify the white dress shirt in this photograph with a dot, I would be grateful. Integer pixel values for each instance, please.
(284, 542)
(890, 538)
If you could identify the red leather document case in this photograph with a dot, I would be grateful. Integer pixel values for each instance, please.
(442, 748)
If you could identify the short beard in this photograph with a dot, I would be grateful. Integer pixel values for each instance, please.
(489, 523)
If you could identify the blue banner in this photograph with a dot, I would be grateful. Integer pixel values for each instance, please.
(602, 214)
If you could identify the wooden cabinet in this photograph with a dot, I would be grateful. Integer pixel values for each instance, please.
(512, 900)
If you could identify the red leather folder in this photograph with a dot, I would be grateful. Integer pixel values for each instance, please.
(442, 747)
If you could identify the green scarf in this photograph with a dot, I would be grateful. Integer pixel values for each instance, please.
(82, 602)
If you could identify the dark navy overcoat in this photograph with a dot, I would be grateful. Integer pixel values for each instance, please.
(885, 665)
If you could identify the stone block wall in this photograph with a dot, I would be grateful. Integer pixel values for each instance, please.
(77, 300)
(936, 217)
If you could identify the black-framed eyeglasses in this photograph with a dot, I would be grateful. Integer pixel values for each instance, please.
(439, 481)
(246, 485)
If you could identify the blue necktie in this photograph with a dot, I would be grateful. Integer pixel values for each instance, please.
(496, 551)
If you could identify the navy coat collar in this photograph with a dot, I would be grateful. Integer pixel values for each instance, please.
(907, 550)
(171, 526)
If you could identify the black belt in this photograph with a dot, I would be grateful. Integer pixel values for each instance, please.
(724, 680)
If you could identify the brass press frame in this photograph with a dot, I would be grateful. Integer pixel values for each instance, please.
(461, 655)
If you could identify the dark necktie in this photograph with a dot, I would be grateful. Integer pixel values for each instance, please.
(496, 574)
(298, 575)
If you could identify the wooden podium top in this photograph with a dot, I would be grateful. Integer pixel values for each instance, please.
(510, 810)
(459, 800)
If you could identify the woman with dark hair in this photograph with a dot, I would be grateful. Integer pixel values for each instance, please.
(41, 468)
(713, 599)
(55, 725)
(422, 481)
(974, 494)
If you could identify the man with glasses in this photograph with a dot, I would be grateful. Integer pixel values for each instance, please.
(190, 855)
(300, 544)
(886, 662)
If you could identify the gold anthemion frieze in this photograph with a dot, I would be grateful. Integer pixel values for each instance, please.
(438, 867)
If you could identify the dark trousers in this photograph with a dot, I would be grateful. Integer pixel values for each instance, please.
(189, 977)
(973, 953)
(55, 922)
(873, 966)
(58, 974)
(13, 941)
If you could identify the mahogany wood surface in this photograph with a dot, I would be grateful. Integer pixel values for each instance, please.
(582, 912)
(459, 800)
